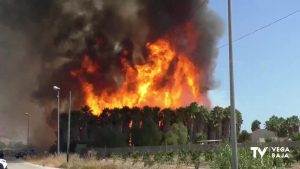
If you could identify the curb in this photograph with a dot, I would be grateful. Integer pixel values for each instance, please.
(44, 167)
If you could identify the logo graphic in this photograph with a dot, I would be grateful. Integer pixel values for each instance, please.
(275, 152)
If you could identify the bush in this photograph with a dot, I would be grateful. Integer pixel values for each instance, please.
(222, 160)
(106, 136)
(296, 154)
(178, 134)
(296, 137)
(200, 137)
(244, 136)
(148, 135)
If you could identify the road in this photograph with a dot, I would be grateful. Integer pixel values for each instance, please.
(19, 164)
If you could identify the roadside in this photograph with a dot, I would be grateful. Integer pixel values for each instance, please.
(77, 162)
(20, 164)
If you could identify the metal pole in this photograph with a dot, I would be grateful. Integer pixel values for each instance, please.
(69, 126)
(27, 114)
(234, 158)
(58, 128)
(28, 143)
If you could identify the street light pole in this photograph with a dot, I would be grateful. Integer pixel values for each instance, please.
(28, 117)
(58, 128)
(69, 126)
(233, 139)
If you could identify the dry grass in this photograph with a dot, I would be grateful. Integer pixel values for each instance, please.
(91, 162)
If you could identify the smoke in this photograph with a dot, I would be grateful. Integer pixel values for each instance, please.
(43, 41)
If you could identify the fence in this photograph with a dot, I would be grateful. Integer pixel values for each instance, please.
(187, 147)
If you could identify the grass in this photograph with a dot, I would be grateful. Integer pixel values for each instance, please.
(75, 162)
(90, 162)
(219, 158)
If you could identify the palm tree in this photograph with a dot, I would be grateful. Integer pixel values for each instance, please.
(272, 124)
(192, 110)
(166, 116)
(277, 125)
(296, 122)
(202, 120)
(255, 125)
(292, 124)
(91, 121)
(213, 119)
(136, 114)
(151, 112)
(239, 121)
(226, 123)
(219, 114)
(126, 117)
(180, 115)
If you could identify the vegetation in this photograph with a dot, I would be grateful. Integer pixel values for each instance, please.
(283, 127)
(218, 158)
(255, 125)
(13, 145)
(2, 145)
(178, 134)
(244, 136)
(147, 134)
(147, 126)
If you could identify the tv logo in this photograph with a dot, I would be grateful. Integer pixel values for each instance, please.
(275, 152)
(257, 149)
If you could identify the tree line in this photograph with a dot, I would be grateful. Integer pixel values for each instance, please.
(148, 126)
(282, 127)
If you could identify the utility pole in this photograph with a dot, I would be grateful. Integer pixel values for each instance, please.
(69, 126)
(233, 139)
(28, 117)
(58, 121)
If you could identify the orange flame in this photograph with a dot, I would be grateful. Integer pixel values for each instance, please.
(160, 123)
(141, 124)
(130, 124)
(167, 79)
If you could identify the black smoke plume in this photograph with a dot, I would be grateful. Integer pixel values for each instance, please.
(43, 40)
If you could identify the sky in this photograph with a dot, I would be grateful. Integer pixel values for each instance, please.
(266, 64)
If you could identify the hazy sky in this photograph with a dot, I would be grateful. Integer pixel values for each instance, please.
(267, 63)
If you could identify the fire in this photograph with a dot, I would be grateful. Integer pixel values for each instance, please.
(130, 124)
(160, 123)
(141, 124)
(166, 79)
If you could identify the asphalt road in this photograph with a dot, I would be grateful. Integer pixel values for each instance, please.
(19, 164)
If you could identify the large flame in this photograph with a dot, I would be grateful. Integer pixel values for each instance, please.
(166, 79)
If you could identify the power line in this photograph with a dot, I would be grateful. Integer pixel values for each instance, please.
(261, 28)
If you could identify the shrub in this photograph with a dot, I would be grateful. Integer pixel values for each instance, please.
(178, 134)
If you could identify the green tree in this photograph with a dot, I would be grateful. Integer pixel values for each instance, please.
(201, 123)
(255, 125)
(167, 116)
(213, 119)
(219, 115)
(239, 121)
(278, 125)
(178, 134)
(226, 122)
(292, 124)
(146, 135)
(243, 136)
(192, 110)
(109, 137)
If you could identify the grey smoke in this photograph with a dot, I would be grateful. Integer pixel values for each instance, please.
(43, 40)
